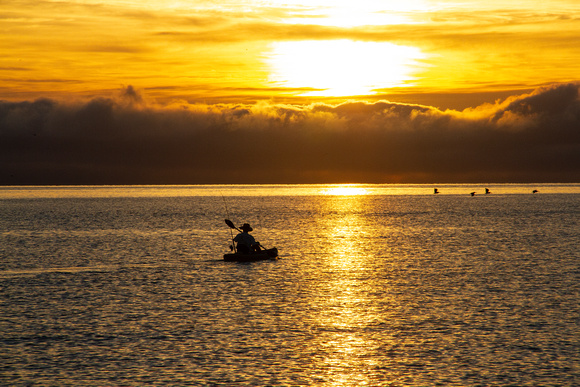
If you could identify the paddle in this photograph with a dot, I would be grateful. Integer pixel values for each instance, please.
(231, 225)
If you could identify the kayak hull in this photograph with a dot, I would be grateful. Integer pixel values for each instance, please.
(251, 257)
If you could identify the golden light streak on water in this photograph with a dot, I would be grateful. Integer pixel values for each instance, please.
(345, 190)
(349, 309)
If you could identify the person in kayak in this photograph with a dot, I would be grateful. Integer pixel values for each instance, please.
(245, 243)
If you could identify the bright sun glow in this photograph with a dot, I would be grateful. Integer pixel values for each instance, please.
(342, 67)
(345, 190)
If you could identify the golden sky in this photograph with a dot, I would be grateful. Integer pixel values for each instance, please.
(298, 51)
(280, 91)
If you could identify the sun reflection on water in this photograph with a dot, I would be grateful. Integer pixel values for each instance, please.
(346, 311)
(345, 190)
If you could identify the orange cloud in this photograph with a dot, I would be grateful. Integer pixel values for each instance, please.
(222, 52)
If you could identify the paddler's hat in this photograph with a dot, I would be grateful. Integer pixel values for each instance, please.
(246, 227)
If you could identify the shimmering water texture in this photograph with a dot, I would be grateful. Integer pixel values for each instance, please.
(372, 288)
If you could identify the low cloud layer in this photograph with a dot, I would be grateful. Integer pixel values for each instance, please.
(124, 140)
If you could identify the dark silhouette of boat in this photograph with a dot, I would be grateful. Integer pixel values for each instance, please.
(261, 255)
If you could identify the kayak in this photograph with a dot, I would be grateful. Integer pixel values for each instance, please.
(251, 257)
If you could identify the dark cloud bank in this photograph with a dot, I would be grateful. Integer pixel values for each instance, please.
(528, 138)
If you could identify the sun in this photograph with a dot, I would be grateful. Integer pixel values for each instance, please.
(338, 68)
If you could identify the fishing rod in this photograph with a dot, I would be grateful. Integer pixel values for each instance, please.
(233, 245)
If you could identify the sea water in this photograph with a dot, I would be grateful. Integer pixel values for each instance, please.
(376, 285)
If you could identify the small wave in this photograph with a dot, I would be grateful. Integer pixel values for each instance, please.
(74, 269)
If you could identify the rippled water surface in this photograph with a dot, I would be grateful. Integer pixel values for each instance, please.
(376, 285)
